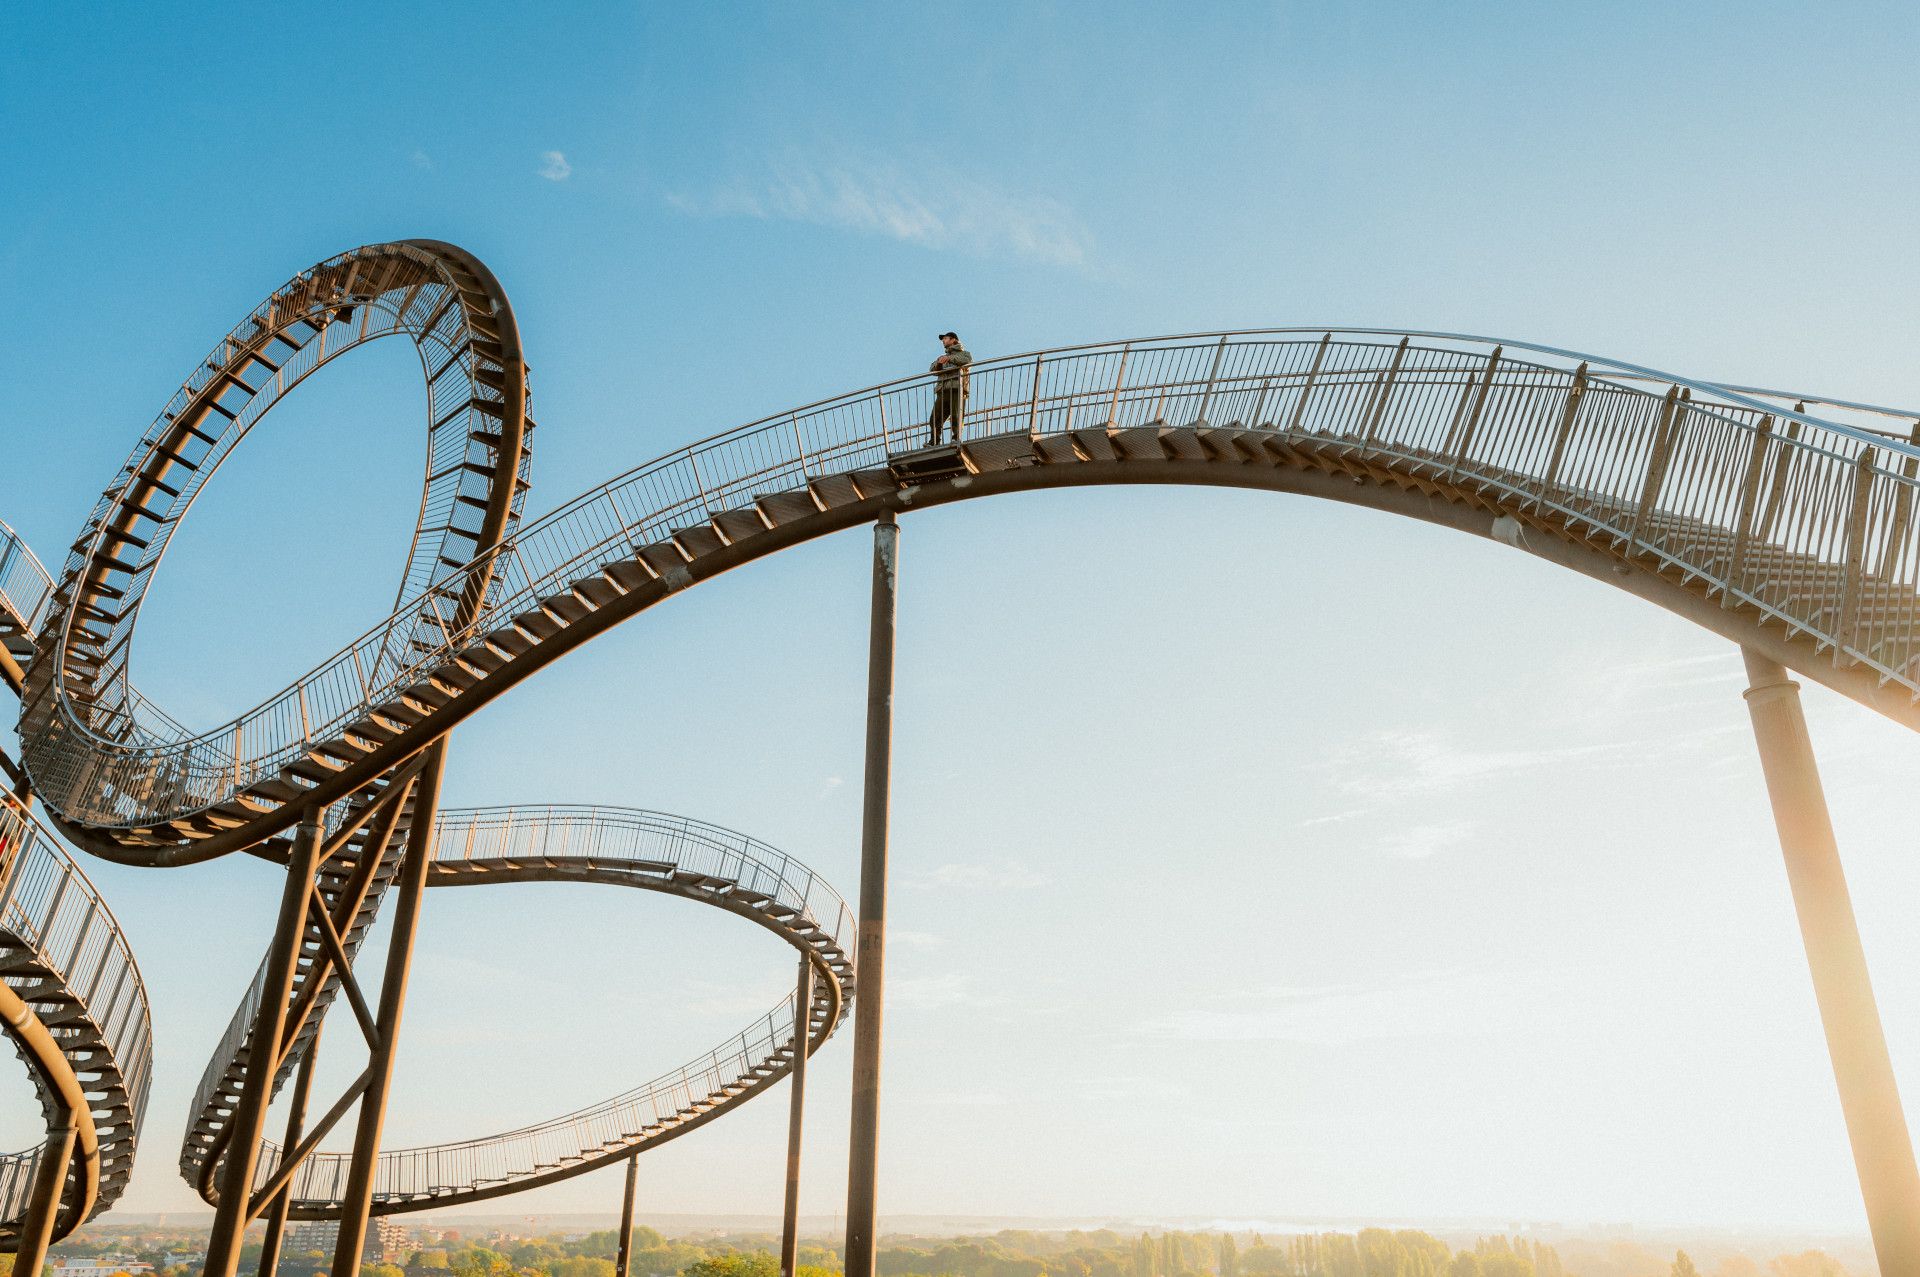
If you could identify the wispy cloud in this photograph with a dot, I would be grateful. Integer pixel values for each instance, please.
(1681, 671)
(1419, 842)
(936, 993)
(554, 166)
(1005, 875)
(1337, 818)
(935, 208)
(1419, 762)
(420, 159)
(1423, 1004)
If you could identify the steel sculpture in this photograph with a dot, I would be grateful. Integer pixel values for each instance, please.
(71, 997)
(1787, 532)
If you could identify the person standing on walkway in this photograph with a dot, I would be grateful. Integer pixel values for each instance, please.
(950, 391)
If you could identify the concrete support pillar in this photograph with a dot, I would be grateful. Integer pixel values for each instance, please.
(269, 1024)
(796, 1111)
(357, 1201)
(1876, 1124)
(864, 1145)
(49, 1182)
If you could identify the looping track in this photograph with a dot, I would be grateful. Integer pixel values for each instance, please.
(74, 642)
(1790, 533)
(653, 852)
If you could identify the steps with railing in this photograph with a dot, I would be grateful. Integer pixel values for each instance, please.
(1659, 481)
(653, 852)
(63, 956)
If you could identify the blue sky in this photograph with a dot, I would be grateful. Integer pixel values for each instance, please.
(1254, 857)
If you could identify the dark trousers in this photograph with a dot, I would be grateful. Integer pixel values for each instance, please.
(949, 405)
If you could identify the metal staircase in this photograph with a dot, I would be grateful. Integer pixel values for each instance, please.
(63, 955)
(1804, 528)
(670, 855)
(78, 1013)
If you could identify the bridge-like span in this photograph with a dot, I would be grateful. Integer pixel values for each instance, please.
(1784, 524)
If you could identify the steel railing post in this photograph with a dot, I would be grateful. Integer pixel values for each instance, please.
(1306, 387)
(1857, 1045)
(1563, 432)
(864, 1142)
(1853, 561)
(1033, 412)
(1119, 379)
(1213, 376)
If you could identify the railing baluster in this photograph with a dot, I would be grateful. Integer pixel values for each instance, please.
(1564, 430)
(1782, 471)
(1664, 431)
(1033, 414)
(1456, 449)
(1853, 558)
(1743, 518)
(1119, 379)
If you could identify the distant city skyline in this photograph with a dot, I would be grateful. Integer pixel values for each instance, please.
(1253, 858)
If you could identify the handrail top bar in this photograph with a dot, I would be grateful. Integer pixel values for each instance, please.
(58, 851)
(1825, 401)
(1734, 394)
(487, 558)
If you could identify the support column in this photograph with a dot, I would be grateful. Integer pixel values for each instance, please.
(796, 1111)
(864, 1144)
(269, 1025)
(296, 1121)
(623, 1265)
(358, 1199)
(49, 1183)
(1876, 1125)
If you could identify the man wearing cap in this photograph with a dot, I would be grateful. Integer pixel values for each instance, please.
(950, 391)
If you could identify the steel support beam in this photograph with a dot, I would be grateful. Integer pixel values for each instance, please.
(1869, 1098)
(357, 1201)
(296, 1119)
(796, 1113)
(49, 1181)
(864, 1145)
(623, 1264)
(269, 1025)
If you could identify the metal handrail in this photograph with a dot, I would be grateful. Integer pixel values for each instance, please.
(1606, 456)
(51, 911)
(25, 584)
(651, 849)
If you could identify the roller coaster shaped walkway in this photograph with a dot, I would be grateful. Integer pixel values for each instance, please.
(1783, 523)
(655, 852)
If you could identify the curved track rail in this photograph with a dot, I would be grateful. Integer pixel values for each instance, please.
(1787, 529)
(1787, 532)
(71, 995)
(76, 1008)
(653, 852)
